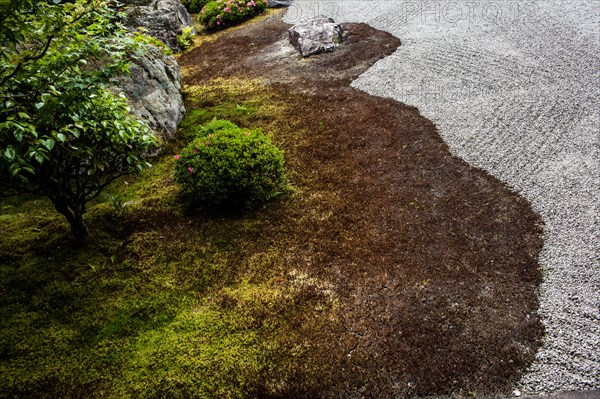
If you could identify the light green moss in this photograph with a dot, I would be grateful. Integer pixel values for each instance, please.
(163, 302)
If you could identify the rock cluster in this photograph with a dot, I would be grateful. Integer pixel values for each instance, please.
(315, 35)
(153, 87)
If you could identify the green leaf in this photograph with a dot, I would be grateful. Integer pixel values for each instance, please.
(24, 115)
(39, 157)
(9, 153)
(48, 143)
(61, 137)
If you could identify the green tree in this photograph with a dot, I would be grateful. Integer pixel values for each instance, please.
(63, 134)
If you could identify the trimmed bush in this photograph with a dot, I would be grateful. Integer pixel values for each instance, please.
(227, 164)
(221, 14)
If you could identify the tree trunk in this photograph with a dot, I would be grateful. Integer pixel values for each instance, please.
(79, 230)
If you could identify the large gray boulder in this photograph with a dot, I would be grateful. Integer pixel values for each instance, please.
(315, 35)
(153, 89)
(163, 19)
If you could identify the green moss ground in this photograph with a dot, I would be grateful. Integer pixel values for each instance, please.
(164, 301)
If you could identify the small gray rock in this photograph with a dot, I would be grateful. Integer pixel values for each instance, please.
(153, 89)
(279, 3)
(315, 35)
(163, 19)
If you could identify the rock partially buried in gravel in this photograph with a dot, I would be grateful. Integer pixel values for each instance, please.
(279, 3)
(315, 35)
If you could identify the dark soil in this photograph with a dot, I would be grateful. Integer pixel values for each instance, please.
(434, 263)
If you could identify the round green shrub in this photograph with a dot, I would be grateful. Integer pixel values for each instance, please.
(221, 14)
(227, 164)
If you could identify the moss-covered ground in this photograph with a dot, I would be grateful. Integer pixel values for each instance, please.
(388, 268)
(164, 300)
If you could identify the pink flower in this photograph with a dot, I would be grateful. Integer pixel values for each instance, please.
(208, 142)
(247, 133)
(191, 170)
(176, 156)
(227, 9)
(218, 22)
(210, 136)
(251, 3)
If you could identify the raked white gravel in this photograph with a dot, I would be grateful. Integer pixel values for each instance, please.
(513, 87)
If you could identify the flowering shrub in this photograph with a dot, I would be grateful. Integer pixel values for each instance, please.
(220, 14)
(228, 164)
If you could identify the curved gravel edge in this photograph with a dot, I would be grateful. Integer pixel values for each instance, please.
(512, 87)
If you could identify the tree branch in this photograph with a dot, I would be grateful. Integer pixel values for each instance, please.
(28, 59)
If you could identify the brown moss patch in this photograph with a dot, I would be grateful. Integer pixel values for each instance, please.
(429, 265)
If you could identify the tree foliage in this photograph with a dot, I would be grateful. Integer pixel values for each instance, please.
(63, 134)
